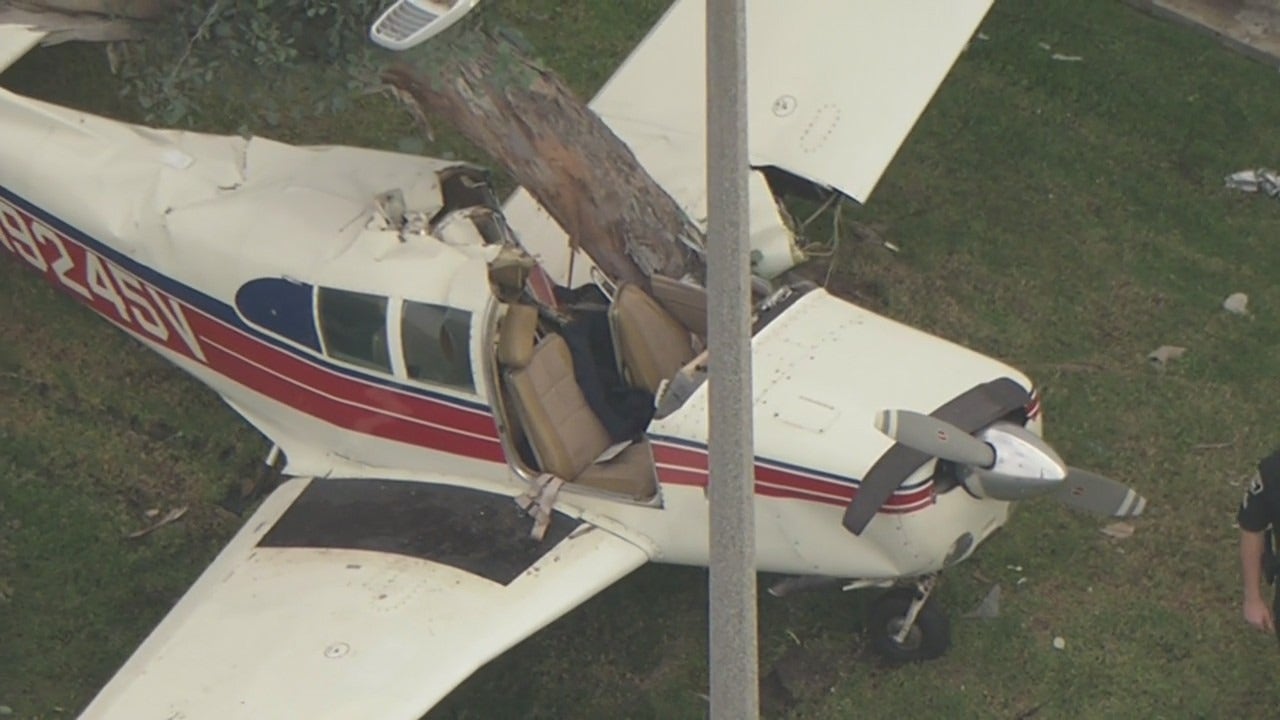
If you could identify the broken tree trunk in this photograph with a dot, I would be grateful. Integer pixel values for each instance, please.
(532, 124)
(134, 9)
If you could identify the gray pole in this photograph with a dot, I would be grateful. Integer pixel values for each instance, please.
(734, 671)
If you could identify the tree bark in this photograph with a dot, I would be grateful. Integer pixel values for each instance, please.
(85, 20)
(530, 122)
(132, 9)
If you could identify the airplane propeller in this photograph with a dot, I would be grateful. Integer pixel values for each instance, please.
(1005, 461)
(1093, 493)
(935, 437)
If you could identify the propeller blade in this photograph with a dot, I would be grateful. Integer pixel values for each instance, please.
(935, 437)
(1093, 493)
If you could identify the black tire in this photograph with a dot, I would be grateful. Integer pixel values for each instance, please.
(929, 638)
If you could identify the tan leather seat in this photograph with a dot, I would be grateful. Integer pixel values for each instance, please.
(686, 303)
(650, 344)
(564, 432)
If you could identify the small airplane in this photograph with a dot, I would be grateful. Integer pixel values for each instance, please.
(480, 431)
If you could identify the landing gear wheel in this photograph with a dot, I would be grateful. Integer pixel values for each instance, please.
(928, 638)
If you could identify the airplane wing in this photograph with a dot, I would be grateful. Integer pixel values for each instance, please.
(16, 41)
(833, 90)
(833, 87)
(360, 599)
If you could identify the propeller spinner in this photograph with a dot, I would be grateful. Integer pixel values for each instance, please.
(970, 411)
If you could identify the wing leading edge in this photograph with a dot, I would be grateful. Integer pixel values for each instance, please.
(355, 598)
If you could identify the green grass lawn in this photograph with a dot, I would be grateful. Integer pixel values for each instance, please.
(1067, 217)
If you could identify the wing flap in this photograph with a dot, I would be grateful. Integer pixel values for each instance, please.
(383, 623)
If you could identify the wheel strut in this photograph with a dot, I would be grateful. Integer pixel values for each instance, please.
(924, 588)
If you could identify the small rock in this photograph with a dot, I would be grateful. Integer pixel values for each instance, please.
(6, 710)
(1059, 643)
(1236, 303)
(1164, 354)
(1118, 530)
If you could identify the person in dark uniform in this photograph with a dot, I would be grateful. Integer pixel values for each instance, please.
(1258, 518)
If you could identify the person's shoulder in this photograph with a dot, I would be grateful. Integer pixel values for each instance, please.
(1269, 471)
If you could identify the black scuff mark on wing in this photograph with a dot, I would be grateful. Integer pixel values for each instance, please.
(474, 531)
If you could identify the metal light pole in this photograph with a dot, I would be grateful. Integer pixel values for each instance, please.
(734, 671)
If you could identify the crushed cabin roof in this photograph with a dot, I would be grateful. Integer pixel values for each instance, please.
(188, 202)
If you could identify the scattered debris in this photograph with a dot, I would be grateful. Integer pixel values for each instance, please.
(1044, 46)
(1201, 447)
(1066, 58)
(152, 513)
(1236, 303)
(1164, 354)
(983, 36)
(1021, 580)
(1265, 180)
(1059, 643)
(1015, 568)
(171, 516)
(1118, 530)
(989, 607)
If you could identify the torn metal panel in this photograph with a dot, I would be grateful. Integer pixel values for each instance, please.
(196, 205)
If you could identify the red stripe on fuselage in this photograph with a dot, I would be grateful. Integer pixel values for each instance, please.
(678, 465)
(337, 397)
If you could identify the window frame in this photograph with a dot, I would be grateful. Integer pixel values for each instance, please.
(324, 344)
(474, 318)
(393, 320)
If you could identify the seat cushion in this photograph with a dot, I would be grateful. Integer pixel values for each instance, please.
(565, 434)
(630, 473)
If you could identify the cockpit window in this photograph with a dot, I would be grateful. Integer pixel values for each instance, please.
(437, 345)
(353, 326)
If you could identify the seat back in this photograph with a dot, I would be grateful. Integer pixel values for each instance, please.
(686, 303)
(516, 335)
(650, 344)
(564, 432)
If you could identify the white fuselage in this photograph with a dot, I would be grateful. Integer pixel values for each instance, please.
(208, 249)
